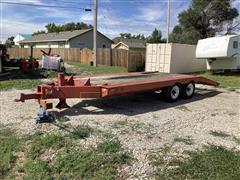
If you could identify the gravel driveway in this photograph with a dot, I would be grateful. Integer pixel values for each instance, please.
(143, 123)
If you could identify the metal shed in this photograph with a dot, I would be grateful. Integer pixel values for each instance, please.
(173, 58)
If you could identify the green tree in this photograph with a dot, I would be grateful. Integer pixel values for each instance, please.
(38, 32)
(52, 27)
(139, 36)
(130, 36)
(9, 42)
(204, 18)
(155, 37)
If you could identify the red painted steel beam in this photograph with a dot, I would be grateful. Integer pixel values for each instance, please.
(24, 97)
(70, 87)
(206, 81)
(63, 92)
(124, 88)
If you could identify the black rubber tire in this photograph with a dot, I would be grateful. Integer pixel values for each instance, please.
(169, 93)
(188, 90)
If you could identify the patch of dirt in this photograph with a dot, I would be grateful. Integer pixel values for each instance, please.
(152, 123)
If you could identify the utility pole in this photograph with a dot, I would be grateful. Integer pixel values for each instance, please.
(168, 21)
(95, 33)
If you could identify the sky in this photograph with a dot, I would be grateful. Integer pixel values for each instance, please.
(114, 16)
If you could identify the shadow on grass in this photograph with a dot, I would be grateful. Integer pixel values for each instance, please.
(16, 73)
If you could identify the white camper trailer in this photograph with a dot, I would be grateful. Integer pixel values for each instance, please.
(222, 53)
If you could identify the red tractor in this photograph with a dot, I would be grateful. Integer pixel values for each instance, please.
(23, 64)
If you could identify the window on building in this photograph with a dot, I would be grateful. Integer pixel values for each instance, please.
(235, 44)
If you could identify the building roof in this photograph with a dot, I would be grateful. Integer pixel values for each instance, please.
(55, 37)
(118, 39)
(135, 44)
(26, 35)
(131, 43)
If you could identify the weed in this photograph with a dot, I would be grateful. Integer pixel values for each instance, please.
(8, 144)
(236, 139)
(183, 108)
(232, 114)
(107, 135)
(128, 126)
(212, 162)
(162, 161)
(120, 124)
(110, 146)
(225, 135)
(37, 169)
(137, 127)
(41, 143)
(63, 119)
(81, 132)
(99, 163)
(219, 134)
(186, 140)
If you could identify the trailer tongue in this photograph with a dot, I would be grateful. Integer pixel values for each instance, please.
(99, 86)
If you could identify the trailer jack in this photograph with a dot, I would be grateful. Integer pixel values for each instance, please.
(43, 115)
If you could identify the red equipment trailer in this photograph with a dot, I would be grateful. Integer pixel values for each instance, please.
(98, 86)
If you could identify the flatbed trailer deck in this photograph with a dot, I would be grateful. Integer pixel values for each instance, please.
(100, 86)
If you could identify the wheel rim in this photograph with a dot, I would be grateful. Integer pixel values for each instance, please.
(175, 92)
(189, 89)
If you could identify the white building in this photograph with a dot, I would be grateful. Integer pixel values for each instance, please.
(20, 37)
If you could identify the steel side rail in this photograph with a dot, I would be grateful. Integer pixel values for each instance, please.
(69, 87)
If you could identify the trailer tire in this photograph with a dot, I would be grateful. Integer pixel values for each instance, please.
(172, 93)
(188, 90)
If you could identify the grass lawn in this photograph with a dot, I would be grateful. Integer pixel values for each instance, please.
(212, 162)
(229, 81)
(20, 80)
(77, 69)
(58, 156)
(19, 84)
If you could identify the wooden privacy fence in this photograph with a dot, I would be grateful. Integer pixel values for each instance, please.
(68, 54)
(130, 59)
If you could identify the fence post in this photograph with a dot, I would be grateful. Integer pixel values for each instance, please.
(128, 59)
(111, 63)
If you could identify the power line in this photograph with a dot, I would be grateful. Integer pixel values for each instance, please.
(146, 1)
(43, 5)
(72, 2)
